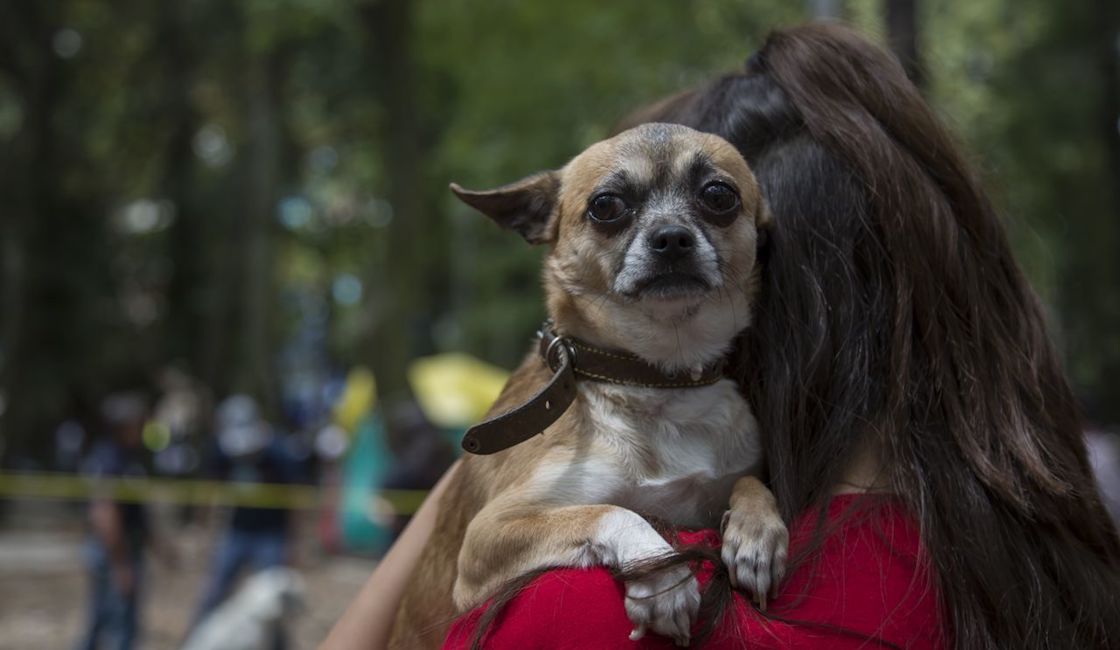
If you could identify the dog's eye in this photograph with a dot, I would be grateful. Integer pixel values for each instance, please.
(719, 198)
(606, 208)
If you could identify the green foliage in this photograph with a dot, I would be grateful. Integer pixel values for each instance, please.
(1027, 83)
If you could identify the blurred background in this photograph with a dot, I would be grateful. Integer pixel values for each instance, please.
(243, 322)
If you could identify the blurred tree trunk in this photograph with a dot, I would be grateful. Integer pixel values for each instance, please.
(219, 325)
(27, 175)
(1106, 50)
(903, 32)
(266, 74)
(402, 274)
(186, 246)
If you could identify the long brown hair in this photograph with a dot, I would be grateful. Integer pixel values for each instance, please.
(893, 316)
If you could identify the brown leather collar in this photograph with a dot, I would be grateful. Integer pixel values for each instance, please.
(571, 359)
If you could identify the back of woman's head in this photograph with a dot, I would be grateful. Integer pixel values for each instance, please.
(894, 319)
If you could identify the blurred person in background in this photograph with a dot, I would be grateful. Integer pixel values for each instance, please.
(179, 418)
(1104, 455)
(1102, 442)
(248, 452)
(120, 530)
(69, 438)
(422, 455)
(180, 412)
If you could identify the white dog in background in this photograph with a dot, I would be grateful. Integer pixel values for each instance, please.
(251, 618)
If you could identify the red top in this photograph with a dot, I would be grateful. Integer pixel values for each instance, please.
(870, 581)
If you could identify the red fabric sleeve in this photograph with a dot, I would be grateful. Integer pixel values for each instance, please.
(868, 586)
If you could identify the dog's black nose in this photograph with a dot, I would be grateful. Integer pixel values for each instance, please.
(671, 242)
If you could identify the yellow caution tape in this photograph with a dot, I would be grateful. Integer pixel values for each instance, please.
(44, 485)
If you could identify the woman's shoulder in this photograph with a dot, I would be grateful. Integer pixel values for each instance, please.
(866, 572)
(563, 608)
(865, 580)
(864, 521)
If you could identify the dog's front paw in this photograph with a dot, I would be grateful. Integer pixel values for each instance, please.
(666, 603)
(754, 551)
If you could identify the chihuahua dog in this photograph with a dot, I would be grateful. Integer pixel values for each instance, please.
(649, 278)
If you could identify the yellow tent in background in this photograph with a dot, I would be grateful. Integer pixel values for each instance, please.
(455, 389)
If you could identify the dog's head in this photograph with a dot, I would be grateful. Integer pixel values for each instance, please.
(653, 237)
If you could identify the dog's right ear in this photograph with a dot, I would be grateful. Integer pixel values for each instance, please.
(528, 206)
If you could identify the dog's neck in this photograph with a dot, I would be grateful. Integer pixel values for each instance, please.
(674, 338)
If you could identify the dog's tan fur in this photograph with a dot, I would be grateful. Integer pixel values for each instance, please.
(568, 497)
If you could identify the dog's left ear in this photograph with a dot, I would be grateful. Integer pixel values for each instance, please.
(528, 206)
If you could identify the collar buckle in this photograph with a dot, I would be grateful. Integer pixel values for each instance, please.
(554, 349)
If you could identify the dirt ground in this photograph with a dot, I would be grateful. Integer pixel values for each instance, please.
(43, 584)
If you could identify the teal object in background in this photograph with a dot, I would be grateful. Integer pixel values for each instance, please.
(454, 437)
(365, 468)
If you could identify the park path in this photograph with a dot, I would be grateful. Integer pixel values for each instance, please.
(43, 584)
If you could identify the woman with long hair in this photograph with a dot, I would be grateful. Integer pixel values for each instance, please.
(898, 354)
(895, 328)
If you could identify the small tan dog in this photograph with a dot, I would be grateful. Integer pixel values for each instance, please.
(650, 276)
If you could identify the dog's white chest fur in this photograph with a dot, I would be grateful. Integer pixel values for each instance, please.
(676, 453)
